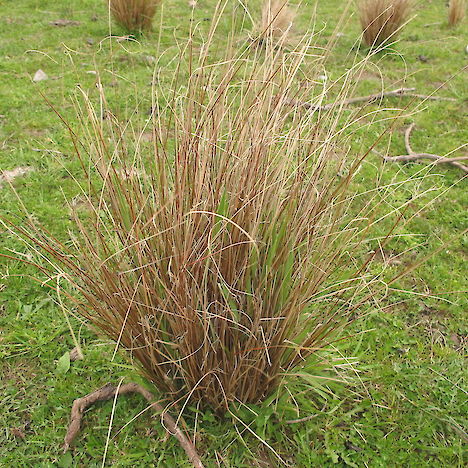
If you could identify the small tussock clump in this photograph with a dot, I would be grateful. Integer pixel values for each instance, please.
(134, 15)
(381, 20)
(277, 19)
(456, 12)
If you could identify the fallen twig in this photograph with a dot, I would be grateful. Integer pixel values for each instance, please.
(408, 131)
(412, 156)
(109, 392)
(408, 92)
(44, 150)
(430, 97)
(307, 418)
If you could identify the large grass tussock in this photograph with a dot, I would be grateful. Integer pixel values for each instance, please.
(230, 251)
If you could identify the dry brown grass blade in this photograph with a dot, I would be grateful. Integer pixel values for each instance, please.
(381, 20)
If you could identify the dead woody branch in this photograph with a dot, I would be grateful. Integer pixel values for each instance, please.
(408, 92)
(108, 392)
(413, 156)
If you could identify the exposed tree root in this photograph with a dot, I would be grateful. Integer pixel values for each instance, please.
(409, 92)
(109, 392)
(413, 156)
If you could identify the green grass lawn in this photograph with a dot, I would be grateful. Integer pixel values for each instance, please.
(407, 405)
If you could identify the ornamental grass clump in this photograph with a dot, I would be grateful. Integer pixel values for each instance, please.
(382, 20)
(456, 12)
(134, 15)
(230, 250)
